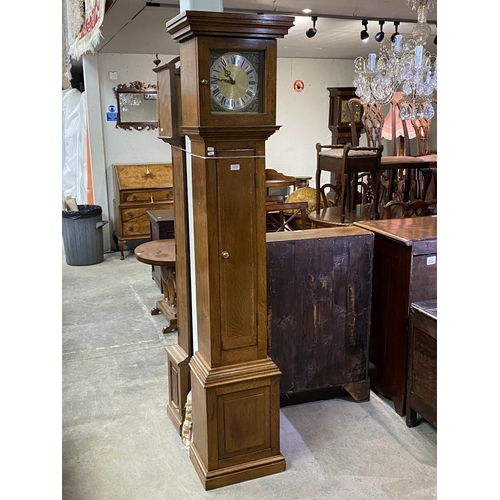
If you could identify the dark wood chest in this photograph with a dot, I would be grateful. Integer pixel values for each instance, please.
(319, 299)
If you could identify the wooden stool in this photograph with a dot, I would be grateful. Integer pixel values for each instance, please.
(161, 253)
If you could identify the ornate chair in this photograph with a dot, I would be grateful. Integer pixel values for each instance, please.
(422, 128)
(397, 209)
(275, 179)
(348, 162)
(397, 167)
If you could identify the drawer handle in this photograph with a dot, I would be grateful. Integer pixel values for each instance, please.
(134, 197)
(225, 255)
(131, 229)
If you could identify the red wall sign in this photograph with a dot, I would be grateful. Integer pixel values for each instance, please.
(298, 85)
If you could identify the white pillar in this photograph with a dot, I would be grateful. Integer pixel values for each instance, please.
(206, 5)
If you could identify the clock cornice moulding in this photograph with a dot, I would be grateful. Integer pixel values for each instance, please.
(193, 23)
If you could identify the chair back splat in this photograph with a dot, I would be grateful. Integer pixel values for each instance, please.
(396, 209)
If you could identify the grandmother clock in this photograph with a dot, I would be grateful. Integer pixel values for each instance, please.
(228, 89)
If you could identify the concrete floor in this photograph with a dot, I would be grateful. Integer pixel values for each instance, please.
(118, 443)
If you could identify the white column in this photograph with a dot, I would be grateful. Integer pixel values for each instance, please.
(206, 5)
(97, 152)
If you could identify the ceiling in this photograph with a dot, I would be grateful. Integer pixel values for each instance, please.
(134, 27)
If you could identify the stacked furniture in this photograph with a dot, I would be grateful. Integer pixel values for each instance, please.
(139, 188)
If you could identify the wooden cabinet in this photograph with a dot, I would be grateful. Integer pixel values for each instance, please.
(339, 121)
(139, 188)
(421, 396)
(319, 286)
(404, 271)
(161, 224)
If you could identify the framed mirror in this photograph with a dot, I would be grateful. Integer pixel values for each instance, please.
(137, 106)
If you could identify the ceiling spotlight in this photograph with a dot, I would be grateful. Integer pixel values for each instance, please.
(380, 35)
(312, 31)
(396, 32)
(306, 11)
(364, 33)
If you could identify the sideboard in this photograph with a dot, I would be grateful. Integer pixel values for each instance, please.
(404, 271)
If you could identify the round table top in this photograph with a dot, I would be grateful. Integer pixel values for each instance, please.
(157, 252)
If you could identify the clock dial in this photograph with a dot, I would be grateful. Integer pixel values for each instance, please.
(345, 115)
(234, 82)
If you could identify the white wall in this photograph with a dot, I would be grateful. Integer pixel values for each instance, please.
(303, 116)
(109, 144)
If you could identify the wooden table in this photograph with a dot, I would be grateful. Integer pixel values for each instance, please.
(410, 163)
(421, 396)
(161, 253)
(404, 271)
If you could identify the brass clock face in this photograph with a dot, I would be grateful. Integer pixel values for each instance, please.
(345, 115)
(235, 82)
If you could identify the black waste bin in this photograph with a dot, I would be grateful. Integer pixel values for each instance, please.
(82, 235)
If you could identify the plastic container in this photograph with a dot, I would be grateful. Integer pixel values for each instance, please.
(82, 235)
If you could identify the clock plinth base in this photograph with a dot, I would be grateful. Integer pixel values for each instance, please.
(236, 422)
(178, 384)
(236, 474)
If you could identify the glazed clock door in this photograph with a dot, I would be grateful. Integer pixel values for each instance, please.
(238, 240)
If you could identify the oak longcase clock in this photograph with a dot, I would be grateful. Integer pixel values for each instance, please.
(339, 120)
(228, 90)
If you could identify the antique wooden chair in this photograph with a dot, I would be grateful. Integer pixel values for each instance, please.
(279, 213)
(348, 162)
(275, 179)
(397, 209)
(422, 128)
(397, 168)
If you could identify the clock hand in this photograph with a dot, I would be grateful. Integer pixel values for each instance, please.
(231, 81)
(228, 74)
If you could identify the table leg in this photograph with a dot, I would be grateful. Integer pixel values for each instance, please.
(168, 306)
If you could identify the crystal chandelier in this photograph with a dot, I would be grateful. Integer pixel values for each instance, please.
(403, 64)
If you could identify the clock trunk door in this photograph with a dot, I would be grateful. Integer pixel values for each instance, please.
(238, 234)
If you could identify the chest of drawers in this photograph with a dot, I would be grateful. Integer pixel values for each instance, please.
(421, 395)
(139, 188)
